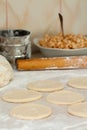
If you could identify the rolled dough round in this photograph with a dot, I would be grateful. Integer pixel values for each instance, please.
(78, 82)
(31, 111)
(6, 72)
(78, 109)
(46, 85)
(21, 95)
(65, 97)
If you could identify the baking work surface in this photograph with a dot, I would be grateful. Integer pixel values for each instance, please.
(60, 118)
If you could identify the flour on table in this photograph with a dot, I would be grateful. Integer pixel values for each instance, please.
(78, 109)
(65, 97)
(46, 85)
(6, 71)
(78, 82)
(21, 95)
(31, 111)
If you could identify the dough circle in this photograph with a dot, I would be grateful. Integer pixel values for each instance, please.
(79, 109)
(31, 111)
(46, 85)
(65, 97)
(78, 82)
(21, 95)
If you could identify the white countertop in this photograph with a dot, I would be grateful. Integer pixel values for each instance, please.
(60, 119)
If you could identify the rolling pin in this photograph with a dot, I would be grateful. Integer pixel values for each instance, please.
(72, 62)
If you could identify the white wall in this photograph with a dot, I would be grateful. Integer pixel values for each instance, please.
(41, 16)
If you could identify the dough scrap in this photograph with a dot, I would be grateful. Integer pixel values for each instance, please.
(31, 111)
(65, 97)
(6, 72)
(21, 95)
(78, 109)
(46, 85)
(78, 82)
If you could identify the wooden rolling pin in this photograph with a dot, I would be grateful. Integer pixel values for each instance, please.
(72, 62)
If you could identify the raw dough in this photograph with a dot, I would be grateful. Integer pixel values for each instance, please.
(79, 109)
(65, 97)
(31, 111)
(6, 72)
(21, 95)
(78, 82)
(46, 85)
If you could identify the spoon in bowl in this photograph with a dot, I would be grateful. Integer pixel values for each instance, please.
(61, 23)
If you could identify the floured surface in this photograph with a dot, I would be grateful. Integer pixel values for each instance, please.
(31, 111)
(60, 118)
(46, 86)
(78, 82)
(79, 109)
(21, 95)
(65, 97)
